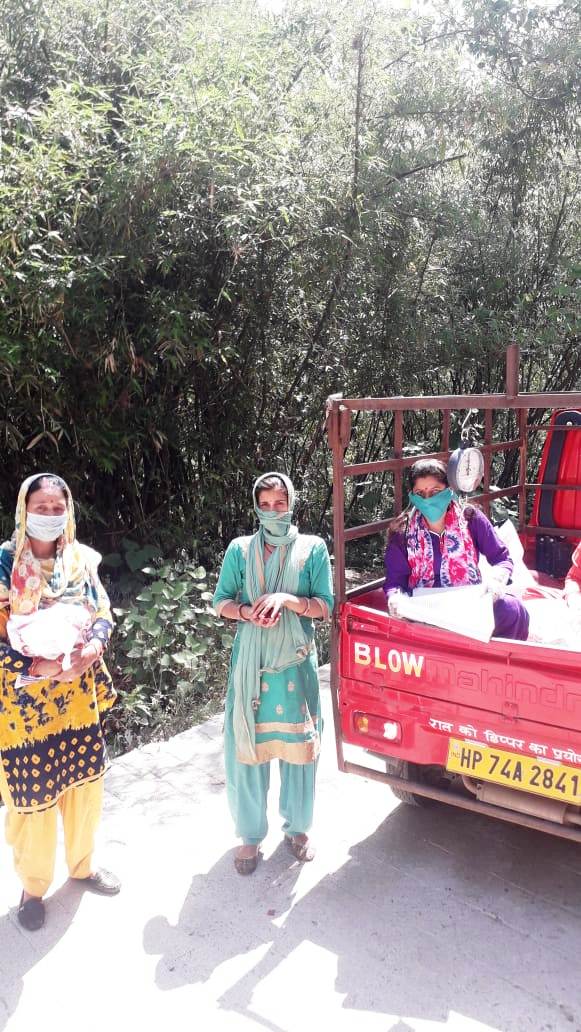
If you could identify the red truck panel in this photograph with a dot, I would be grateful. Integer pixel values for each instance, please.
(439, 685)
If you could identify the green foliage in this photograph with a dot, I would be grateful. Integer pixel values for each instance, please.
(169, 652)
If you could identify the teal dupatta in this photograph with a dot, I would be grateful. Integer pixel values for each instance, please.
(267, 649)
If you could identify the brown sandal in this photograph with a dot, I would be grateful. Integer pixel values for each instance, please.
(302, 851)
(247, 864)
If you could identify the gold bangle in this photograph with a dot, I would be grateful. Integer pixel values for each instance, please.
(305, 611)
(240, 613)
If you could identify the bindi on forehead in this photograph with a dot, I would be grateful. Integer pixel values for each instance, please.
(427, 483)
(50, 495)
(428, 486)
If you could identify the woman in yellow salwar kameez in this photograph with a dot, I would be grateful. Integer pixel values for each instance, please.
(274, 584)
(52, 752)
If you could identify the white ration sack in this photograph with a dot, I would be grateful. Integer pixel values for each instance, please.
(521, 575)
(49, 633)
(465, 610)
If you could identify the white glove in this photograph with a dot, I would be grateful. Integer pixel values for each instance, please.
(497, 582)
(393, 600)
(573, 600)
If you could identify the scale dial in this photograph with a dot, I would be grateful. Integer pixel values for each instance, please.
(465, 469)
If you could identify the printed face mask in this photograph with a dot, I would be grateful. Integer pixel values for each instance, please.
(432, 509)
(45, 528)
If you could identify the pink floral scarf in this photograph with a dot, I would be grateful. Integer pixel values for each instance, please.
(459, 556)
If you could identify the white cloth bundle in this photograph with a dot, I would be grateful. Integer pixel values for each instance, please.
(553, 623)
(51, 632)
(465, 610)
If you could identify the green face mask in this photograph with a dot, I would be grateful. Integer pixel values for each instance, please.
(432, 509)
(276, 527)
(276, 523)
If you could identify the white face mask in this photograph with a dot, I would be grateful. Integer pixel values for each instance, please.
(45, 528)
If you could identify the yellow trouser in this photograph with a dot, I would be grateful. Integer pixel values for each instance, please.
(33, 836)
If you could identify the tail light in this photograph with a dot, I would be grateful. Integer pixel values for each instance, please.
(377, 727)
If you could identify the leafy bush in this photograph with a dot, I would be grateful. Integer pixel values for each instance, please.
(170, 652)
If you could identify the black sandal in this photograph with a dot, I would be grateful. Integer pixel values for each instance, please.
(31, 913)
(247, 864)
(302, 851)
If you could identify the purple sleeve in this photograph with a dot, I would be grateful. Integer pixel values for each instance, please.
(397, 568)
(488, 542)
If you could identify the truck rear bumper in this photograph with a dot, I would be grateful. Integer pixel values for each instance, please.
(452, 798)
(422, 732)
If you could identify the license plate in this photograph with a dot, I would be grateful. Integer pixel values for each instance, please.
(554, 780)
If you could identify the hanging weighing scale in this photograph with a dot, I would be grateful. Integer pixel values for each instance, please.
(466, 463)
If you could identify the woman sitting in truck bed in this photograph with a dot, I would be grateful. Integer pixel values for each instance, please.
(436, 543)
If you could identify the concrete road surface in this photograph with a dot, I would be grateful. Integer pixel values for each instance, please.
(409, 919)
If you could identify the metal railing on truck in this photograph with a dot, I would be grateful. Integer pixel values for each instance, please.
(339, 433)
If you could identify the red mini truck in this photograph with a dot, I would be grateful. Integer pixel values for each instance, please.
(492, 727)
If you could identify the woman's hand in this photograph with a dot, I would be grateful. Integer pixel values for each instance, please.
(393, 599)
(266, 610)
(82, 660)
(49, 669)
(498, 580)
(244, 614)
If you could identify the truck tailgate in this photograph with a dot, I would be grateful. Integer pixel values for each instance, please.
(518, 681)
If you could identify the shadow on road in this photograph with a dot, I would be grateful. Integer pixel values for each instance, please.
(21, 950)
(437, 912)
(223, 915)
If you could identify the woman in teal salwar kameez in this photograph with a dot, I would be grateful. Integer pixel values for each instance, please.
(274, 583)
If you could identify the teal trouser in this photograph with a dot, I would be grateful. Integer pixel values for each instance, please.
(247, 786)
